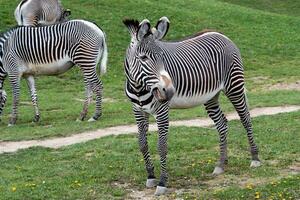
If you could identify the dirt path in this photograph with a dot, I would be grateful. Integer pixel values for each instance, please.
(117, 130)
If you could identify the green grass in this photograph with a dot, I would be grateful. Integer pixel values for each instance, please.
(267, 32)
(269, 43)
(283, 7)
(109, 168)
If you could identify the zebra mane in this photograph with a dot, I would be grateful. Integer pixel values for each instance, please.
(204, 31)
(3, 37)
(131, 24)
(195, 35)
(9, 31)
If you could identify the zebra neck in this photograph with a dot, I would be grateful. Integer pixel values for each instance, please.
(136, 89)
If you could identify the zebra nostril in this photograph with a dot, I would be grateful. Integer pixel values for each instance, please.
(164, 89)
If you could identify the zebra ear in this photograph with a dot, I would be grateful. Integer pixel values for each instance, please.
(162, 28)
(143, 29)
(67, 13)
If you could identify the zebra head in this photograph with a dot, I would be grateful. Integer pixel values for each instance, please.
(144, 64)
(65, 13)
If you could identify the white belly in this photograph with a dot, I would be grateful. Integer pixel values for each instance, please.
(54, 68)
(188, 102)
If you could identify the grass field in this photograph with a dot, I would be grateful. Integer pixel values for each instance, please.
(111, 167)
(269, 43)
(267, 33)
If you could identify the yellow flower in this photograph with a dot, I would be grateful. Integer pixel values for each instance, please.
(193, 165)
(249, 186)
(13, 189)
(257, 195)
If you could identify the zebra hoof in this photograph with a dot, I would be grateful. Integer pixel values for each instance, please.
(160, 190)
(10, 125)
(36, 118)
(217, 171)
(151, 182)
(255, 163)
(92, 119)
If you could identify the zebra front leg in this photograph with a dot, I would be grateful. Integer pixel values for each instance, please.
(162, 120)
(240, 104)
(3, 98)
(34, 99)
(215, 113)
(3, 95)
(142, 120)
(15, 84)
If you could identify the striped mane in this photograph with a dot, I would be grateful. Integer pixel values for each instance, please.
(194, 35)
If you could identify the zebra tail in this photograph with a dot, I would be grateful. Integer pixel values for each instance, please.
(104, 56)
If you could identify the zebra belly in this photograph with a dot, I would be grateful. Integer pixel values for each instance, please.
(54, 68)
(189, 102)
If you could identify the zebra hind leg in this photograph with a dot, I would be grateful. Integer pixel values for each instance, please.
(240, 103)
(34, 99)
(95, 84)
(87, 101)
(215, 113)
(97, 88)
(235, 91)
(142, 120)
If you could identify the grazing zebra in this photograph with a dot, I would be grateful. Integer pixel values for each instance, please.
(193, 71)
(52, 50)
(40, 12)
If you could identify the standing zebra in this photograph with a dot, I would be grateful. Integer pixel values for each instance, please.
(193, 71)
(52, 50)
(43, 12)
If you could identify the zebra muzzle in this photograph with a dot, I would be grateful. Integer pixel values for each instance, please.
(163, 94)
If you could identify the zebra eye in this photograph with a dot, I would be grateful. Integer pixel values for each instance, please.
(143, 57)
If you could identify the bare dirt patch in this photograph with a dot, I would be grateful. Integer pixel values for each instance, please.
(107, 100)
(286, 86)
(259, 79)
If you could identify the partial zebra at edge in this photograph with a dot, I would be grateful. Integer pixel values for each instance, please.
(52, 50)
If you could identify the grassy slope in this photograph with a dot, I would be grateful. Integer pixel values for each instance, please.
(111, 167)
(284, 7)
(258, 34)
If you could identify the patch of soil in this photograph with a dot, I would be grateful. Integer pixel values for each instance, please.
(108, 100)
(259, 79)
(286, 86)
